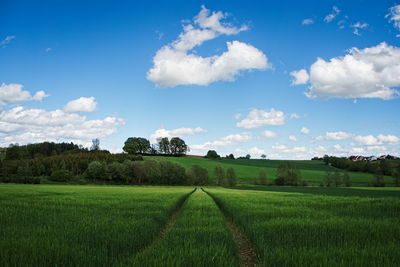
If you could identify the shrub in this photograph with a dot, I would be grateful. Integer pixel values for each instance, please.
(262, 178)
(96, 171)
(220, 175)
(212, 154)
(231, 177)
(172, 173)
(197, 175)
(288, 174)
(61, 175)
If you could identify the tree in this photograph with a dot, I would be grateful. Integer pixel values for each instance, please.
(385, 167)
(396, 176)
(288, 174)
(262, 178)
(212, 154)
(136, 145)
(177, 146)
(263, 156)
(336, 178)
(329, 179)
(230, 156)
(231, 177)
(197, 175)
(346, 179)
(95, 145)
(220, 175)
(163, 145)
(248, 156)
(96, 171)
(378, 179)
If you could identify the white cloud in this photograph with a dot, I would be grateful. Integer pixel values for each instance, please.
(367, 73)
(256, 151)
(174, 64)
(304, 130)
(13, 92)
(357, 26)
(335, 136)
(48, 49)
(377, 148)
(6, 40)
(285, 149)
(394, 16)
(223, 141)
(23, 125)
(295, 116)
(237, 116)
(370, 140)
(300, 77)
(269, 134)
(307, 22)
(82, 104)
(335, 11)
(179, 132)
(292, 138)
(258, 118)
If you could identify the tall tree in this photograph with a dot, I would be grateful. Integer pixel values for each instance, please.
(177, 146)
(231, 177)
(220, 175)
(137, 145)
(163, 145)
(95, 145)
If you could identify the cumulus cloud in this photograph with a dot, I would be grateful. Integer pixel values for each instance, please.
(257, 118)
(394, 16)
(304, 130)
(335, 136)
(372, 72)
(176, 63)
(160, 133)
(82, 104)
(357, 26)
(285, 149)
(307, 22)
(256, 151)
(223, 141)
(370, 140)
(292, 138)
(300, 77)
(269, 134)
(295, 116)
(335, 11)
(24, 125)
(6, 40)
(13, 92)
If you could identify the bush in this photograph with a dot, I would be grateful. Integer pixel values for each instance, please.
(288, 174)
(212, 154)
(61, 175)
(262, 178)
(96, 171)
(197, 175)
(220, 175)
(231, 177)
(172, 173)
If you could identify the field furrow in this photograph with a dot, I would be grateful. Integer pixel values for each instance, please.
(198, 238)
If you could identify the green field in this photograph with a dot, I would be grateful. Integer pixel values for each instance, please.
(60, 225)
(312, 171)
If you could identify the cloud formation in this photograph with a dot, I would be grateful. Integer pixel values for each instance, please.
(176, 64)
(335, 11)
(257, 118)
(160, 133)
(307, 22)
(6, 40)
(223, 141)
(394, 16)
(82, 104)
(357, 26)
(304, 130)
(24, 125)
(372, 72)
(11, 93)
(269, 134)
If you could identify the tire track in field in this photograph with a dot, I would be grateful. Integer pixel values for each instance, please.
(169, 224)
(245, 249)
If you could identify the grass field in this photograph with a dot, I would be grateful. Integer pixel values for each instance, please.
(60, 225)
(49, 225)
(312, 171)
(319, 227)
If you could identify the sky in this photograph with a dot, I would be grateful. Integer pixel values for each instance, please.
(288, 79)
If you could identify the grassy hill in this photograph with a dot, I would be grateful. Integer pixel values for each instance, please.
(248, 170)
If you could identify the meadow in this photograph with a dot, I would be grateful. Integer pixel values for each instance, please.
(64, 225)
(313, 171)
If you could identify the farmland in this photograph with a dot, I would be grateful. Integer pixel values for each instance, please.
(48, 225)
(312, 171)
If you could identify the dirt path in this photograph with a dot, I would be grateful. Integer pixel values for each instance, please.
(169, 224)
(245, 248)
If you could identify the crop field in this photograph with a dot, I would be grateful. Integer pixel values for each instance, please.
(60, 225)
(318, 227)
(312, 171)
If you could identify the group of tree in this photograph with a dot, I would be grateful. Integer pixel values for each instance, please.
(139, 145)
(225, 178)
(359, 166)
(336, 179)
(288, 174)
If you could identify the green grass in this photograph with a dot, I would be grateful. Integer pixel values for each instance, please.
(48, 225)
(318, 226)
(312, 171)
(198, 238)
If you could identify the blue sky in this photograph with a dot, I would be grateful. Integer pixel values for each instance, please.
(278, 78)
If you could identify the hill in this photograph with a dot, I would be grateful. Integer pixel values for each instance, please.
(247, 170)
